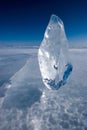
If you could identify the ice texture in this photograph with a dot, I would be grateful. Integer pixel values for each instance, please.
(53, 57)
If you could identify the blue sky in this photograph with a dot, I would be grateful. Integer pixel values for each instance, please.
(26, 20)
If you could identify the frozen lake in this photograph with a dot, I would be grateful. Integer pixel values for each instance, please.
(25, 103)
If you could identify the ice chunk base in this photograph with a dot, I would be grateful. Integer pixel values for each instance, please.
(53, 58)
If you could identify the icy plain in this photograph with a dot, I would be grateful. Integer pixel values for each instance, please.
(26, 104)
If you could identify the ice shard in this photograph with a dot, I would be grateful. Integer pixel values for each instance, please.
(53, 57)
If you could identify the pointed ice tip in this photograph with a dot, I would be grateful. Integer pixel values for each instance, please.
(56, 20)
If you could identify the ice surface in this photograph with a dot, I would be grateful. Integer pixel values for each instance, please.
(26, 107)
(53, 56)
